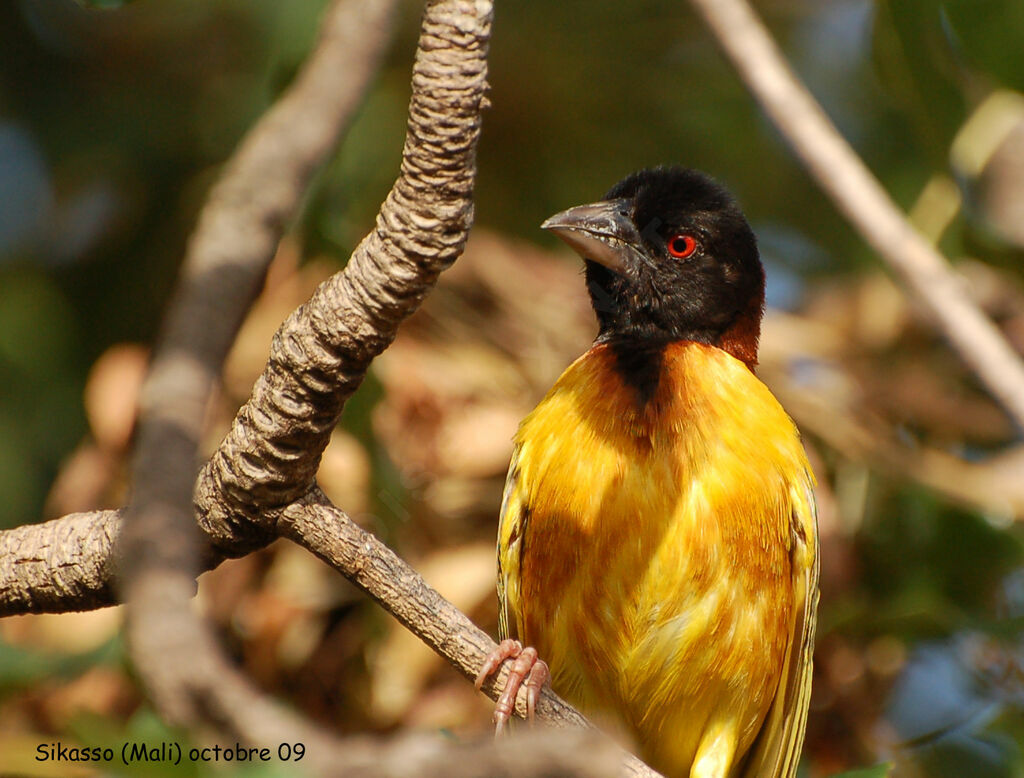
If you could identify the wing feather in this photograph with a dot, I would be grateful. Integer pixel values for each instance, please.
(511, 529)
(776, 752)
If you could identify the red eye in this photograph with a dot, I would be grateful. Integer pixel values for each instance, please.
(681, 246)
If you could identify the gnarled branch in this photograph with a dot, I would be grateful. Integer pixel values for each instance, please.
(238, 232)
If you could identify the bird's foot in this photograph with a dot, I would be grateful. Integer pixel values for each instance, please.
(527, 667)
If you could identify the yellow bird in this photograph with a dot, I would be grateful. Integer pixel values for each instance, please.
(657, 545)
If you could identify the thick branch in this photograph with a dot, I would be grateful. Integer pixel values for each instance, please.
(60, 566)
(858, 194)
(237, 234)
(319, 356)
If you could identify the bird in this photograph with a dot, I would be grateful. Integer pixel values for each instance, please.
(657, 540)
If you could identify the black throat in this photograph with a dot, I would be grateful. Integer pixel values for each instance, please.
(638, 364)
(637, 328)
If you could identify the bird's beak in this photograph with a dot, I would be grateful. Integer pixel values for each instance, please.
(602, 232)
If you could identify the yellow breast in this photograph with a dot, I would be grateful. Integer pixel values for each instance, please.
(645, 550)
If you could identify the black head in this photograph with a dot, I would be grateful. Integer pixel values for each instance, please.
(669, 257)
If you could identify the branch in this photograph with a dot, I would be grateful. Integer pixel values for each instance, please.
(238, 231)
(326, 531)
(351, 318)
(320, 355)
(858, 194)
(59, 566)
(237, 235)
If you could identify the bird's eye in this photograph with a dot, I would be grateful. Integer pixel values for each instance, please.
(681, 245)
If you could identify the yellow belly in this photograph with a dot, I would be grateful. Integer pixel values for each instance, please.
(649, 561)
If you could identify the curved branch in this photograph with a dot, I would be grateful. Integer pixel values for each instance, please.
(237, 235)
(858, 194)
(320, 355)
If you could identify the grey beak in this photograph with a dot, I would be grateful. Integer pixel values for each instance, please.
(601, 232)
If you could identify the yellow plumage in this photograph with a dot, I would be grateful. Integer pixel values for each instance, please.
(662, 558)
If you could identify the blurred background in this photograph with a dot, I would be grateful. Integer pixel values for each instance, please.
(114, 120)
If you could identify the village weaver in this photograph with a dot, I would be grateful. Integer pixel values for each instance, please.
(657, 544)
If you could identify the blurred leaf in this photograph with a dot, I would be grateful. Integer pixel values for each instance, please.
(145, 726)
(990, 33)
(36, 325)
(21, 668)
(917, 68)
(948, 557)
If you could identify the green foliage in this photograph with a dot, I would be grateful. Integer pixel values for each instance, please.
(877, 771)
(988, 34)
(20, 669)
(145, 727)
(104, 5)
(918, 550)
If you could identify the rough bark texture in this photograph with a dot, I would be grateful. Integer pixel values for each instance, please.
(320, 355)
(238, 232)
(189, 679)
(60, 566)
(273, 450)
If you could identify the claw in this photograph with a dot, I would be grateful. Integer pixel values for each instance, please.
(507, 649)
(527, 667)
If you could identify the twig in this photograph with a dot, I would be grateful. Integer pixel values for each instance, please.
(856, 192)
